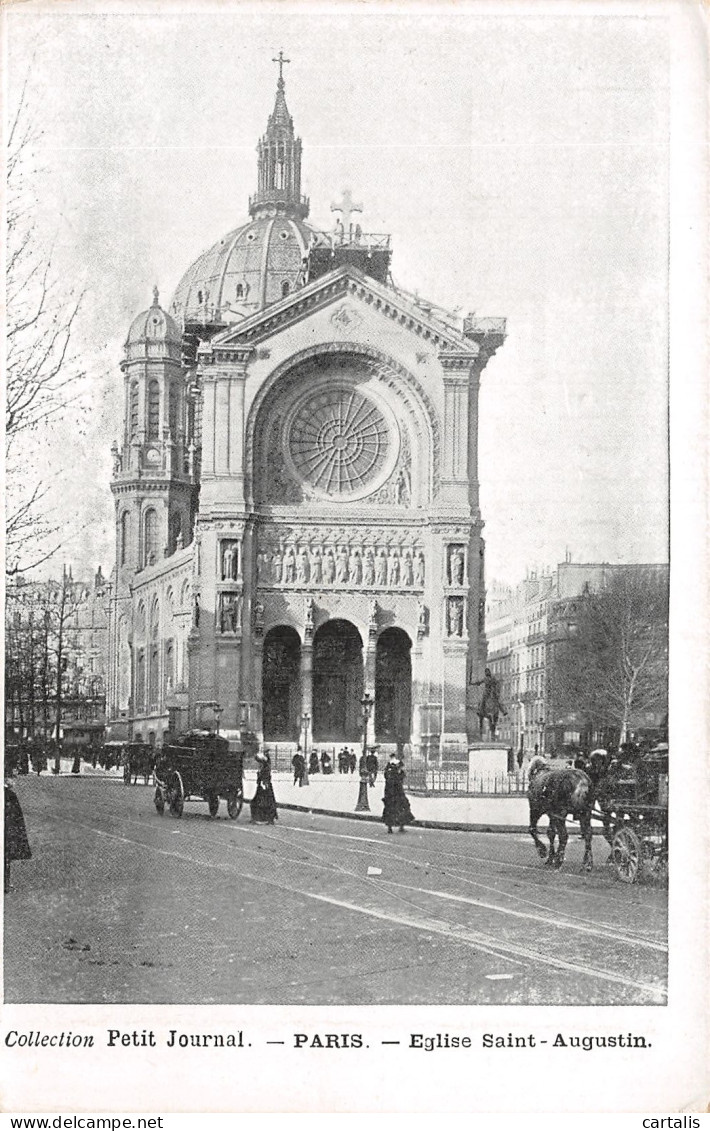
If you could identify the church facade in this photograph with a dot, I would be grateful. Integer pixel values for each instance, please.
(296, 492)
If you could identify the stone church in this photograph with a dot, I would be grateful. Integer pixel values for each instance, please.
(296, 491)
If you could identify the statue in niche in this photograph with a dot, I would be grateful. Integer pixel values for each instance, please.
(303, 571)
(381, 569)
(369, 571)
(258, 618)
(229, 612)
(421, 620)
(372, 618)
(289, 571)
(276, 566)
(456, 566)
(341, 567)
(401, 490)
(117, 460)
(329, 568)
(310, 611)
(393, 568)
(316, 567)
(179, 543)
(407, 569)
(481, 614)
(355, 567)
(419, 569)
(455, 617)
(230, 561)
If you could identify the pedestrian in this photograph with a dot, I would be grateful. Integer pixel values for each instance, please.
(299, 767)
(396, 807)
(326, 762)
(520, 758)
(17, 846)
(313, 763)
(373, 765)
(263, 803)
(353, 761)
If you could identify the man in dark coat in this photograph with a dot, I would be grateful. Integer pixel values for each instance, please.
(299, 767)
(17, 846)
(396, 810)
(372, 765)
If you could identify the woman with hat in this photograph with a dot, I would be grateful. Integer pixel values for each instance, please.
(17, 846)
(397, 810)
(263, 803)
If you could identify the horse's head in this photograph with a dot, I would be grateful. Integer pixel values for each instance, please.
(537, 763)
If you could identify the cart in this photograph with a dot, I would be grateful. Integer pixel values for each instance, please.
(199, 766)
(634, 809)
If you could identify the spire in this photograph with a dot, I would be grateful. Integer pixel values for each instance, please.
(279, 165)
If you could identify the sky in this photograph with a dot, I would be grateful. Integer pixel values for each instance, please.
(518, 157)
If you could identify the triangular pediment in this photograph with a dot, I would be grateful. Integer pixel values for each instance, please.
(329, 289)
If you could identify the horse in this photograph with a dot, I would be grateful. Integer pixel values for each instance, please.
(558, 792)
(139, 760)
(490, 709)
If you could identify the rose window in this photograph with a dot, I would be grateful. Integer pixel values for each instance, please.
(340, 442)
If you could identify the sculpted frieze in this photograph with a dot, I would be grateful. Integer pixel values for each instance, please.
(341, 558)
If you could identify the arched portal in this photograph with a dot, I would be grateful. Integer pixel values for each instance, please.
(281, 685)
(393, 686)
(337, 682)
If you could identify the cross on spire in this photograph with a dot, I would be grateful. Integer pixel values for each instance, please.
(280, 59)
(346, 208)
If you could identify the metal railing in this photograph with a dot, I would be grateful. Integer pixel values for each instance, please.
(460, 781)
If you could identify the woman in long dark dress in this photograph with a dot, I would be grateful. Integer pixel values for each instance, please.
(17, 846)
(397, 810)
(263, 803)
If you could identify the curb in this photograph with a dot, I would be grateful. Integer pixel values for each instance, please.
(447, 826)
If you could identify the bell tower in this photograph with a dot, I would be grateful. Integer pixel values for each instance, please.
(154, 480)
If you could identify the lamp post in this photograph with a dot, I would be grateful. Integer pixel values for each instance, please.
(363, 805)
(306, 725)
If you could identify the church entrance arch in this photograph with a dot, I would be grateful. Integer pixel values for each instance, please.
(338, 682)
(281, 684)
(393, 686)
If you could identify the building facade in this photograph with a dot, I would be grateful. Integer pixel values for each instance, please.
(296, 489)
(525, 624)
(56, 644)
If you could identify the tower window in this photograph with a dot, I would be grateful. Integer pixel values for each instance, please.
(134, 408)
(150, 540)
(125, 534)
(285, 288)
(174, 410)
(199, 297)
(240, 290)
(153, 410)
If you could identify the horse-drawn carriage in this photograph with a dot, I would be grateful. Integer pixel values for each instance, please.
(199, 766)
(630, 799)
(632, 803)
(138, 760)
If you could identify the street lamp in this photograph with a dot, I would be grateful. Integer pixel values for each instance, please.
(306, 724)
(363, 805)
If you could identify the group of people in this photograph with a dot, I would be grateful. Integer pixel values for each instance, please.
(397, 811)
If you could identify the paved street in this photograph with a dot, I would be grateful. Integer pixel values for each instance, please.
(121, 905)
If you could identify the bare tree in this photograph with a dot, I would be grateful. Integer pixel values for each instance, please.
(43, 375)
(610, 664)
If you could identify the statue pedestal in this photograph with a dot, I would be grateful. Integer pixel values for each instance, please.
(487, 758)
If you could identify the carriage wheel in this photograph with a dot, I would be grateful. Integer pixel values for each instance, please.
(234, 803)
(176, 796)
(159, 800)
(627, 854)
(213, 802)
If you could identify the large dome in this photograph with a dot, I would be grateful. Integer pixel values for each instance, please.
(248, 269)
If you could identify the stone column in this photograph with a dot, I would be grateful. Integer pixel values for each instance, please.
(307, 688)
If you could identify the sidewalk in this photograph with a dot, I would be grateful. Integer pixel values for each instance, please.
(336, 795)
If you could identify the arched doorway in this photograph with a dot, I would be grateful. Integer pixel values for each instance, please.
(393, 686)
(281, 684)
(338, 682)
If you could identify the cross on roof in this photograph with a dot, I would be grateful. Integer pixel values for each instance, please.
(280, 59)
(346, 207)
